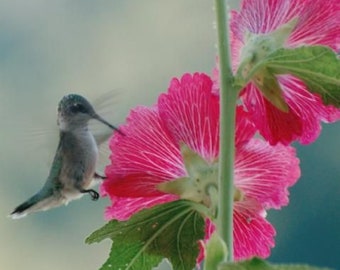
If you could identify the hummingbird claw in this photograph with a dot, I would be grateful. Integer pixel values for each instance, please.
(98, 176)
(94, 194)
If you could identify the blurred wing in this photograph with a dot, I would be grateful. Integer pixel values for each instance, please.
(109, 106)
(102, 140)
(40, 138)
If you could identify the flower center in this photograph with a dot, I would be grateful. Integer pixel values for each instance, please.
(258, 46)
(201, 183)
(252, 65)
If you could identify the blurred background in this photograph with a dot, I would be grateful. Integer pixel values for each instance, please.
(51, 48)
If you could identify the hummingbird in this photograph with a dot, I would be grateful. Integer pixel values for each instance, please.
(73, 171)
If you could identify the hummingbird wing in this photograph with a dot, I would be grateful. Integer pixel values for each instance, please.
(102, 140)
(110, 106)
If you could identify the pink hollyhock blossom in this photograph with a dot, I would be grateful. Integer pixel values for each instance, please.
(149, 155)
(318, 24)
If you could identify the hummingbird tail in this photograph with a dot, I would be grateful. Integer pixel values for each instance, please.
(35, 204)
(21, 210)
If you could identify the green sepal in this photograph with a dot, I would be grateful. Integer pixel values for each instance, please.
(256, 49)
(193, 162)
(258, 264)
(258, 46)
(170, 230)
(200, 184)
(187, 188)
(270, 88)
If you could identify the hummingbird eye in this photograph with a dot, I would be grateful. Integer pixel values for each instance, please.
(78, 108)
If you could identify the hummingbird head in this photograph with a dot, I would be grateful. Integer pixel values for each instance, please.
(74, 111)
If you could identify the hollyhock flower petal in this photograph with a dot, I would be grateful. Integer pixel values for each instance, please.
(318, 20)
(124, 207)
(318, 24)
(146, 155)
(192, 113)
(145, 146)
(141, 158)
(274, 125)
(244, 127)
(301, 123)
(253, 234)
(274, 170)
(138, 185)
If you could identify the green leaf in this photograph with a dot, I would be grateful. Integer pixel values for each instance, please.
(317, 66)
(169, 230)
(123, 256)
(258, 264)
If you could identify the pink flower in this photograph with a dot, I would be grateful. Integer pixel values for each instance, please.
(318, 24)
(150, 154)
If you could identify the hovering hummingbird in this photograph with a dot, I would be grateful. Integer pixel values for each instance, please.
(73, 169)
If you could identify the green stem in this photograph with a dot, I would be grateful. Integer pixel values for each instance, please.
(228, 99)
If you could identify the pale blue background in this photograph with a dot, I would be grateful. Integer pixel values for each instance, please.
(50, 48)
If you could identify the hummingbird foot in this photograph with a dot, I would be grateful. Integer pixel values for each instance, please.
(98, 176)
(94, 194)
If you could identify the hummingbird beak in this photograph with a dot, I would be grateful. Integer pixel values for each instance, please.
(100, 119)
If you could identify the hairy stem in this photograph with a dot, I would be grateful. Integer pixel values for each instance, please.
(228, 99)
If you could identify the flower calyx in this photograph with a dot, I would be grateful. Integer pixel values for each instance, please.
(200, 185)
(254, 53)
